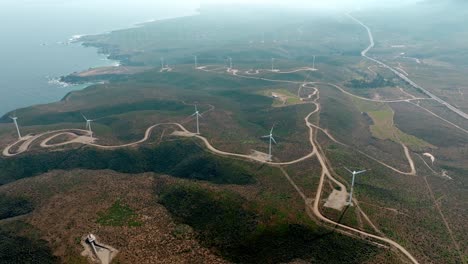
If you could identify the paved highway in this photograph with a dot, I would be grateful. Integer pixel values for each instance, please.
(401, 75)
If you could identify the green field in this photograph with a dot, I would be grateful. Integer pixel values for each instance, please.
(119, 214)
(383, 126)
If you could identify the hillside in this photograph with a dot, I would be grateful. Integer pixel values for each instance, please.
(140, 178)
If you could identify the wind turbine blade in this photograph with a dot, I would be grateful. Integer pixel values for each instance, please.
(361, 171)
(273, 139)
(348, 170)
(271, 131)
(267, 136)
(194, 114)
(84, 117)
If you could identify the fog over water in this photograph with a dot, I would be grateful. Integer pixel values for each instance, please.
(33, 47)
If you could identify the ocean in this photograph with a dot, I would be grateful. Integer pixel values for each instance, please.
(35, 48)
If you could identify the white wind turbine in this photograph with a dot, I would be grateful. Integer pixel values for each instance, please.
(196, 61)
(350, 202)
(88, 124)
(272, 139)
(273, 65)
(15, 120)
(230, 63)
(197, 115)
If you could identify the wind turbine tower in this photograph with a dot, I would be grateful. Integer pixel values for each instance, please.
(230, 63)
(162, 63)
(15, 120)
(92, 240)
(197, 115)
(350, 202)
(313, 63)
(88, 125)
(272, 64)
(196, 62)
(272, 139)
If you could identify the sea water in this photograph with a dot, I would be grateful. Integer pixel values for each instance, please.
(36, 47)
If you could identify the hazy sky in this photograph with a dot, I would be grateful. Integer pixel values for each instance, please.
(319, 3)
(134, 4)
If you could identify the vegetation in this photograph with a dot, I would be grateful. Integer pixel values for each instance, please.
(174, 39)
(416, 124)
(119, 214)
(261, 230)
(228, 222)
(102, 111)
(14, 206)
(383, 126)
(15, 248)
(182, 159)
(377, 82)
(75, 79)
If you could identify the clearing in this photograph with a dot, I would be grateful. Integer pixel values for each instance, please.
(383, 126)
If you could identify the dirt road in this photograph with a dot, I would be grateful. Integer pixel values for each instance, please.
(316, 151)
(401, 75)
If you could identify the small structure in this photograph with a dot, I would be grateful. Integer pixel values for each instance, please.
(97, 252)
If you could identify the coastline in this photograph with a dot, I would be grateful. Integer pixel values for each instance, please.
(80, 39)
(54, 83)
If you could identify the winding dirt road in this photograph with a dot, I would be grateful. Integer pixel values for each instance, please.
(313, 205)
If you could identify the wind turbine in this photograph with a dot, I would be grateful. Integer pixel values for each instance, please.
(230, 63)
(14, 118)
(313, 63)
(196, 62)
(350, 202)
(197, 115)
(92, 240)
(272, 139)
(162, 63)
(272, 64)
(88, 124)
